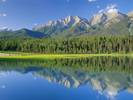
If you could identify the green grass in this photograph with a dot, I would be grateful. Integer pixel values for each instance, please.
(19, 55)
(14, 52)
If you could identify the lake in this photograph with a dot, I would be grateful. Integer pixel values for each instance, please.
(94, 78)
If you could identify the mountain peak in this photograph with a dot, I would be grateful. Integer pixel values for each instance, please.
(110, 13)
(105, 19)
(110, 9)
(104, 16)
(72, 19)
(63, 25)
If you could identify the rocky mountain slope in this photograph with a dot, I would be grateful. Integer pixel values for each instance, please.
(71, 25)
(109, 21)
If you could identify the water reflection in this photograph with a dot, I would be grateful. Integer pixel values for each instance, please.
(108, 75)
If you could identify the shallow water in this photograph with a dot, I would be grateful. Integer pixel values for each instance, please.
(100, 78)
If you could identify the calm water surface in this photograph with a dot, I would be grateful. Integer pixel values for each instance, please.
(100, 78)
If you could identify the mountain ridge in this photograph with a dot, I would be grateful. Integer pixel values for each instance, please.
(107, 22)
(22, 33)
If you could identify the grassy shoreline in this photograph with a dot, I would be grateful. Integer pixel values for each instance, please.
(18, 55)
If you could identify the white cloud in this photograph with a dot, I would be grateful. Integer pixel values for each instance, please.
(92, 0)
(3, 14)
(3, 0)
(110, 8)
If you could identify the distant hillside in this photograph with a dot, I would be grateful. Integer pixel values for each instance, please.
(22, 33)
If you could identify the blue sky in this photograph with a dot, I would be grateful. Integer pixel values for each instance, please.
(17, 14)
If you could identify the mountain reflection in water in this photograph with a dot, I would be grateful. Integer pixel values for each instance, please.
(107, 75)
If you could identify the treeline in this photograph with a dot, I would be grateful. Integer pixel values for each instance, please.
(84, 44)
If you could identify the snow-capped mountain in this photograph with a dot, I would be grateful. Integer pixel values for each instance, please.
(67, 22)
(110, 21)
(70, 24)
(107, 17)
(106, 21)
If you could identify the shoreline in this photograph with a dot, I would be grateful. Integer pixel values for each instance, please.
(58, 56)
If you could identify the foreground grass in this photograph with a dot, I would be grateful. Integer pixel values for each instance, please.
(57, 56)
